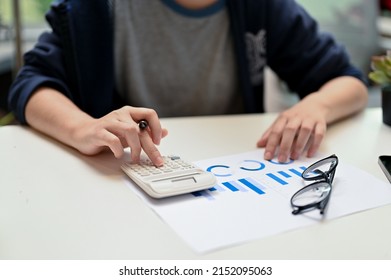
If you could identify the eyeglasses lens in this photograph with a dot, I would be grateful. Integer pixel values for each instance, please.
(311, 194)
(317, 169)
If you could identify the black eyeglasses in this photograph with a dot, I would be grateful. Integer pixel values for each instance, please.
(317, 194)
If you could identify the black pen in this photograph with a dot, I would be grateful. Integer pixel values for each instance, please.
(143, 124)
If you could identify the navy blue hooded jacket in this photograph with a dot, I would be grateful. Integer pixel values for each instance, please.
(77, 58)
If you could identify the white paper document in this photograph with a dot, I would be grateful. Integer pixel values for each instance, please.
(252, 200)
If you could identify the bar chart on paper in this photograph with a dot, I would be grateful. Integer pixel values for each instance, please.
(259, 177)
(250, 194)
(251, 200)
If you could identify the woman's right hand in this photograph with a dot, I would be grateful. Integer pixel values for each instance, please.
(118, 130)
(52, 113)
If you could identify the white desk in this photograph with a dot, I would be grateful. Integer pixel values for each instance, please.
(58, 204)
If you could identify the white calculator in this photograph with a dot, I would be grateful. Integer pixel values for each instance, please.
(175, 177)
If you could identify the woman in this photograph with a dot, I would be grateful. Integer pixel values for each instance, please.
(107, 65)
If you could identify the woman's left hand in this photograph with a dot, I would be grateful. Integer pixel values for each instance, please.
(296, 130)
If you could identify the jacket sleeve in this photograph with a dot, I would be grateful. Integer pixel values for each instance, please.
(299, 53)
(43, 66)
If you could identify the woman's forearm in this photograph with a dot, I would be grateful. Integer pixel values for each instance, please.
(54, 114)
(342, 97)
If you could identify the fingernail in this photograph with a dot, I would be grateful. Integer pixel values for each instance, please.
(159, 161)
(268, 155)
(282, 158)
(156, 140)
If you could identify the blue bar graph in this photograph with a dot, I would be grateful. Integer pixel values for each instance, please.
(277, 179)
(230, 186)
(294, 171)
(283, 173)
(253, 185)
(246, 184)
(241, 185)
(282, 176)
(217, 188)
(203, 194)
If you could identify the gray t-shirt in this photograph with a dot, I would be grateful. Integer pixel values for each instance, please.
(179, 64)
